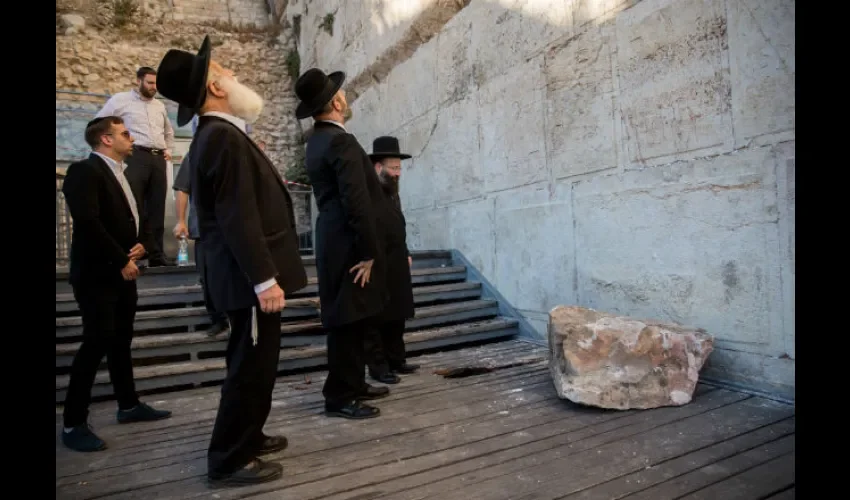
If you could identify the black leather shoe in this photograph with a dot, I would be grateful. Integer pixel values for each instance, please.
(218, 328)
(81, 438)
(372, 392)
(141, 413)
(256, 471)
(406, 368)
(354, 410)
(273, 444)
(386, 378)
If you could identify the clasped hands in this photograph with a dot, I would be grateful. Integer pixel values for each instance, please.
(131, 270)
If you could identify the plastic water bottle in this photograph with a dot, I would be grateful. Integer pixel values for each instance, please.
(183, 253)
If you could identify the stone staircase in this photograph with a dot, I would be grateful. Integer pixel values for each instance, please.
(172, 352)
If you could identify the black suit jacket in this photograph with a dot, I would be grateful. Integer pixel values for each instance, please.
(347, 192)
(245, 216)
(104, 229)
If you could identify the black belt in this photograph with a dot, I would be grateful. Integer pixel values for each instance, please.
(152, 151)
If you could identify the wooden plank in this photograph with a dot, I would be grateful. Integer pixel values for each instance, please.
(431, 404)
(546, 474)
(500, 327)
(677, 477)
(205, 398)
(774, 476)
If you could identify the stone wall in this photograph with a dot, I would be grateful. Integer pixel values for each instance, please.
(239, 12)
(94, 56)
(632, 156)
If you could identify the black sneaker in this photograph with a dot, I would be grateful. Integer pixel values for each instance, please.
(81, 438)
(141, 413)
(218, 329)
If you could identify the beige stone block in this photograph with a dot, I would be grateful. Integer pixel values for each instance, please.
(512, 135)
(417, 181)
(472, 229)
(762, 64)
(412, 87)
(426, 229)
(580, 118)
(673, 79)
(506, 33)
(455, 60)
(695, 243)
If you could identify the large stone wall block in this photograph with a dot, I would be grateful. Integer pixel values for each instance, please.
(472, 232)
(513, 149)
(455, 60)
(451, 158)
(618, 362)
(411, 87)
(426, 229)
(761, 53)
(675, 92)
(506, 33)
(535, 236)
(693, 243)
(580, 122)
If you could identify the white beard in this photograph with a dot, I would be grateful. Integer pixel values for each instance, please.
(244, 102)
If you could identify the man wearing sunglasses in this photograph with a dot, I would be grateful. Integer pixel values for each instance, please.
(109, 236)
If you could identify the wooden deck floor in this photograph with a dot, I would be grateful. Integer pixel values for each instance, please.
(501, 435)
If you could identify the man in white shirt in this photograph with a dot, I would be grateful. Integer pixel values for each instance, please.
(147, 120)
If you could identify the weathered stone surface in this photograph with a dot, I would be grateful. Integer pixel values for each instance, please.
(601, 359)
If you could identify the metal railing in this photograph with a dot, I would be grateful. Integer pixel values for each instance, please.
(64, 224)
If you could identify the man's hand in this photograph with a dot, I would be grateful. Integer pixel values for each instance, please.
(364, 271)
(130, 271)
(272, 299)
(136, 252)
(167, 155)
(409, 261)
(180, 230)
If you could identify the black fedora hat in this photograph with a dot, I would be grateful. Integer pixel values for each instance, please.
(386, 147)
(182, 77)
(315, 89)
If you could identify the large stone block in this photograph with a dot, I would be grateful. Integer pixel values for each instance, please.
(580, 122)
(411, 87)
(618, 362)
(513, 149)
(693, 243)
(451, 157)
(507, 32)
(762, 63)
(535, 247)
(673, 79)
(472, 232)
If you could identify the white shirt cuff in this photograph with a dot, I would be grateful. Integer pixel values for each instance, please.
(262, 287)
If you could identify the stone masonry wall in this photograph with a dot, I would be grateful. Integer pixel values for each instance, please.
(631, 156)
(101, 58)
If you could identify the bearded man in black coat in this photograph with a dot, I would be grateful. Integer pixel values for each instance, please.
(384, 347)
(350, 262)
(251, 260)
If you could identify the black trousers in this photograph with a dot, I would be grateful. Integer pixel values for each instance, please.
(108, 313)
(346, 363)
(216, 316)
(384, 347)
(246, 396)
(149, 182)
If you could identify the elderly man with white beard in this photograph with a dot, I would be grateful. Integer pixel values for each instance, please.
(251, 260)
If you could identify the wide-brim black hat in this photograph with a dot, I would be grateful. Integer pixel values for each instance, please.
(386, 147)
(315, 89)
(182, 78)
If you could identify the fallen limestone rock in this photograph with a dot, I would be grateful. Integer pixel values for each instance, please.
(618, 362)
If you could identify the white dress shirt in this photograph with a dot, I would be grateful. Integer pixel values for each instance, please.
(118, 171)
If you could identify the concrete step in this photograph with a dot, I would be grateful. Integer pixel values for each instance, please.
(299, 334)
(159, 277)
(68, 327)
(192, 293)
(174, 375)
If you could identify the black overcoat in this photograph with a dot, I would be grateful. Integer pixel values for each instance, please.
(347, 192)
(399, 285)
